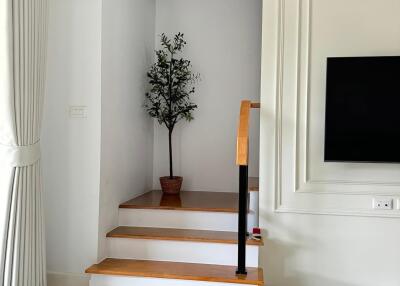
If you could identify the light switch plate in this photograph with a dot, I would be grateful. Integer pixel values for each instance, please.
(78, 111)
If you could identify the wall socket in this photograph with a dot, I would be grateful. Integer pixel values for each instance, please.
(382, 203)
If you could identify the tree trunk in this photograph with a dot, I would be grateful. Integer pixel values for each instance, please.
(171, 173)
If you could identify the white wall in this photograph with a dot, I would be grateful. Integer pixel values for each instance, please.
(98, 54)
(71, 147)
(224, 39)
(317, 217)
(126, 130)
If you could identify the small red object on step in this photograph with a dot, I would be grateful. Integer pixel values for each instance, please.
(256, 233)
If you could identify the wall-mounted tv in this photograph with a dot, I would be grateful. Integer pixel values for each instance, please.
(362, 120)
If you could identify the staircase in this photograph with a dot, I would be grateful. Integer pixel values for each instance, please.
(190, 239)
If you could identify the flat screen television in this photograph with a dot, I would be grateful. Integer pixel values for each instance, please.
(362, 119)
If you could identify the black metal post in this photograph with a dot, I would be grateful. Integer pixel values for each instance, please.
(242, 233)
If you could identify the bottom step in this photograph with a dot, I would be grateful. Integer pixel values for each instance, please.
(175, 270)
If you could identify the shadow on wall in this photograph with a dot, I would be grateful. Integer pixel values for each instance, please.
(278, 270)
(282, 258)
(57, 279)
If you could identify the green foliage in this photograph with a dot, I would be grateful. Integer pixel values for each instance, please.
(172, 84)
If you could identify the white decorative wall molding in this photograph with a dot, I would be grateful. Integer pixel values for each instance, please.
(334, 212)
(303, 182)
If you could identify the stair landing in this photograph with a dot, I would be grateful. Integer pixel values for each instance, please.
(176, 270)
(253, 184)
(188, 201)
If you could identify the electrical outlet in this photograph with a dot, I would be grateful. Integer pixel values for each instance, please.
(381, 203)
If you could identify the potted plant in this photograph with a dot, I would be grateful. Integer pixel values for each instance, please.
(172, 84)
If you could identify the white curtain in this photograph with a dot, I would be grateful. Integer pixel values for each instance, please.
(23, 42)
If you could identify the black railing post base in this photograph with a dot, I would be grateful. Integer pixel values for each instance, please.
(241, 272)
(242, 219)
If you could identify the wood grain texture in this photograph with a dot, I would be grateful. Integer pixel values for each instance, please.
(176, 270)
(253, 184)
(178, 235)
(188, 201)
(242, 144)
(242, 140)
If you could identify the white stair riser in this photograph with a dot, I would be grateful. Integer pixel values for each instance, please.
(108, 280)
(179, 251)
(182, 219)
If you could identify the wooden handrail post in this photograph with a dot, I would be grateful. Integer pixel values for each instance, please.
(242, 160)
(242, 150)
(242, 144)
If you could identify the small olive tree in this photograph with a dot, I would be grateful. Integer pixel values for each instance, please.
(172, 84)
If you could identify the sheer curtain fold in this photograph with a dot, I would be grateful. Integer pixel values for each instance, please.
(23, 42)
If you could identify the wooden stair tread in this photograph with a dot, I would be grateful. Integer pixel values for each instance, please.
(227, 237)
(188, 201)
(176, 270)
(253, 184)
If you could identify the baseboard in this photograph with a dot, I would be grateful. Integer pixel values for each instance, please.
(67, 279)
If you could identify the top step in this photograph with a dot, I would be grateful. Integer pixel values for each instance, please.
(187, 201)
(253, 184)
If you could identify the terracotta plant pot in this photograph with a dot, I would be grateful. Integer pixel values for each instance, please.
(171, 186)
